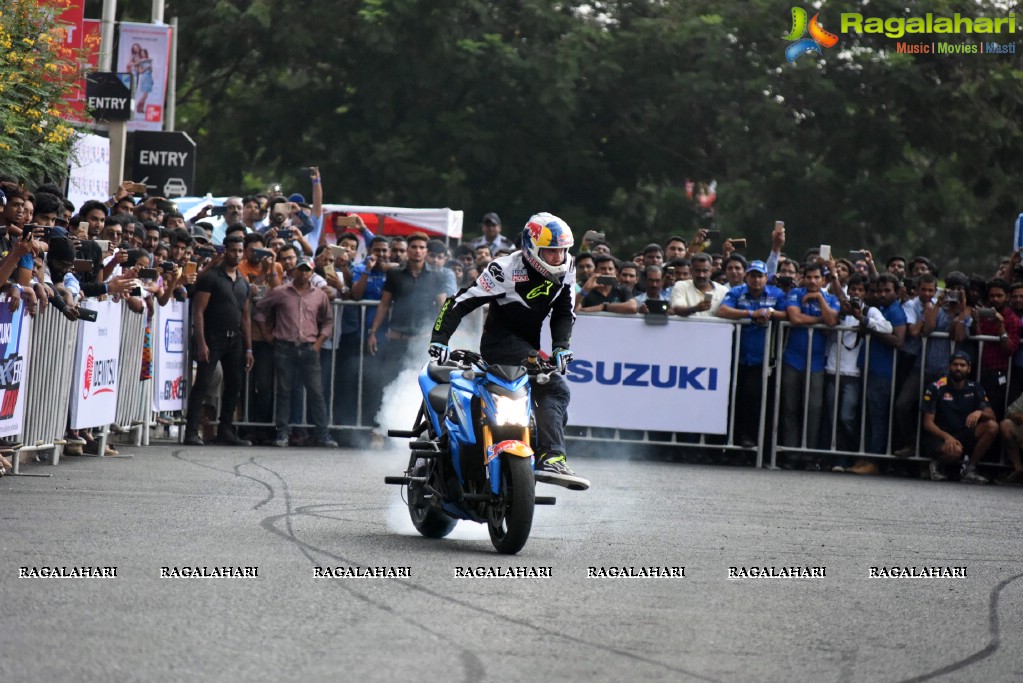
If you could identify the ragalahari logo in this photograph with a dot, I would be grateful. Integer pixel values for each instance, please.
(819, 38)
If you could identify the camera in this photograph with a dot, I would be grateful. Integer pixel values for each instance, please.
(952, 296)
(285, 233)
(855, 302)
(168, 266)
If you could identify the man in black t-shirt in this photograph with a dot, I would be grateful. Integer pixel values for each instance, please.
(221, 331)
(606, 294)
(959, 424)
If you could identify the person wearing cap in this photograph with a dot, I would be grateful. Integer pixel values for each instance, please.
(959, 425)
(700, 296)
(492, 237)
(301, 319)
(761, 303)
(807, 305)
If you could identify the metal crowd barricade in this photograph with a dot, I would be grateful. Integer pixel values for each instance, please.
(132, 393)
(361, 421)
(48, 384)
(831, 447)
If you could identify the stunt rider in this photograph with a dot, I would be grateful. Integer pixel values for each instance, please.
(522, 289)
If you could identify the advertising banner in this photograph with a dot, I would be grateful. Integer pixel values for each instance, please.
(94, 391)
(14, 348)
(169, 361)
(144, 51)
(631, 375)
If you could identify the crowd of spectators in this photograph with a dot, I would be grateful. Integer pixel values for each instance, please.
(865, 348)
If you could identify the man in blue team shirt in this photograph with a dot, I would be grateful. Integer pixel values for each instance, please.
(806, 305)
(880, 358)
(368, 279)
(762, 303)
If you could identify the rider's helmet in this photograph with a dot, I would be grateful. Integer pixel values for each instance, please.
(543, 237)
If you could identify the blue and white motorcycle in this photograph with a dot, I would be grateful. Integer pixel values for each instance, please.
(471, 457)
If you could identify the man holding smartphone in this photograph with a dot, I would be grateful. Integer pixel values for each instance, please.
(699, 296)
(605, 293)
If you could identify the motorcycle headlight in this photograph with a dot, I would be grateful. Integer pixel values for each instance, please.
(511, 411)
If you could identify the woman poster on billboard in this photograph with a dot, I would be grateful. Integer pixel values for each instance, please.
(144, 51)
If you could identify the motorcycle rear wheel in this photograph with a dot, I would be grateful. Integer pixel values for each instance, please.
(510, 518)
(427, 519)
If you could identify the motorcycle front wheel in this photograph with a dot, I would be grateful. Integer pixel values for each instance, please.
(510, 517)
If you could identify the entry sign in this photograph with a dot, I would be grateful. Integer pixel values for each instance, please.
(165, 162)
(108, 95)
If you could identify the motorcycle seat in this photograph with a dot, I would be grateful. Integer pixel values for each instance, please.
(440, 373)
(438, 398)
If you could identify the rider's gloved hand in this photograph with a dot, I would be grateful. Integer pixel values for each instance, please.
(561, 358)
(439, 352)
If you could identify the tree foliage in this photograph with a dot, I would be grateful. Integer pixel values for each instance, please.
(35, 71)
(599, 111)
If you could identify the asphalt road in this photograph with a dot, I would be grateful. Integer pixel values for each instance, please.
(288, 512)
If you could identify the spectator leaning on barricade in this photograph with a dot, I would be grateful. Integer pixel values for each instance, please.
(958, 423)
(628, 277)
(654, 291)
(700, 296)
(761, 303)
(997, 319)
(603, 291)
(805, 306)
(925, 315)
(368, 278)
(881, 349)
(843, 367)
(301, 319)
(221, 332)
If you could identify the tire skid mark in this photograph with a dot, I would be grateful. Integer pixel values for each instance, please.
(994, 628)
(474, 667)
(473, 675)
(270, 492)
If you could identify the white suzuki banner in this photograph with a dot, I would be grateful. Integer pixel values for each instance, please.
(94, 391)
(628, 374)
(169, 356)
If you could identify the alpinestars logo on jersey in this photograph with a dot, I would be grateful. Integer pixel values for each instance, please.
(543, 289)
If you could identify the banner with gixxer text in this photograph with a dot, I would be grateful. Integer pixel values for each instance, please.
(628, 374)
(169, 356)
(94, 391)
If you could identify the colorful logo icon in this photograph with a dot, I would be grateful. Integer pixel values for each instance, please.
(819, 38)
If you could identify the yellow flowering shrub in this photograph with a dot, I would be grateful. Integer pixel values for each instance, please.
(36, 69)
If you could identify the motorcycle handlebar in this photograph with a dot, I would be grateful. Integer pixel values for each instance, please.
(464, 356)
